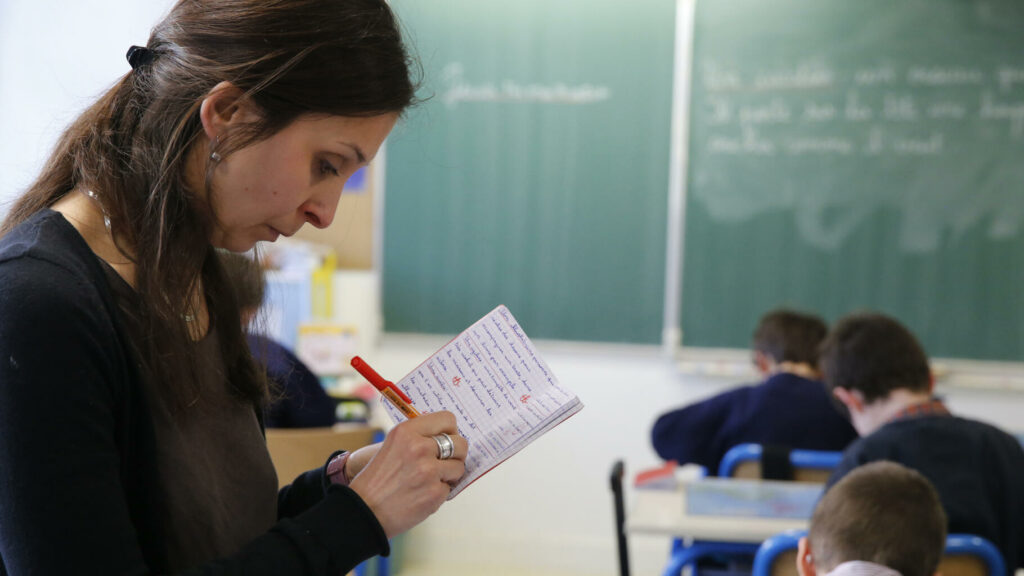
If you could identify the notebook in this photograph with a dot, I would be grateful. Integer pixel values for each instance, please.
(503, 394)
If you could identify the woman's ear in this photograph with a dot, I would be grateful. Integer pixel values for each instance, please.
(225, 105)
(804, 560)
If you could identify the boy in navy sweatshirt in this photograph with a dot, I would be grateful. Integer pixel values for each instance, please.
(789, 408)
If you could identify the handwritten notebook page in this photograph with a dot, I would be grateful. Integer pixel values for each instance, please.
(501, 391)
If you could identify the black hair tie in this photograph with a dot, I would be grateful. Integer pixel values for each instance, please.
(139, 56)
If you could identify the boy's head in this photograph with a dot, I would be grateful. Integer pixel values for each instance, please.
(880, 512)
(788, 336)
(872, 354)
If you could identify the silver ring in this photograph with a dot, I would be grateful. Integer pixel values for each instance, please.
(445, 446)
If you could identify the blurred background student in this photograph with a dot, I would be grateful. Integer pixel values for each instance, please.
(877, 368)
(300, 401)
(790, 408)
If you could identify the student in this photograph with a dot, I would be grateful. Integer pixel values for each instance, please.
(882, 519)
(299, 400)
(876, 367)
(790, 408)
(129, 434)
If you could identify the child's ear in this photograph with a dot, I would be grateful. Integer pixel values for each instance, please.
(804, 559)
(763, 363)
(853, 401)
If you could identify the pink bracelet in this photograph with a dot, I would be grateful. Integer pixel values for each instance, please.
(336, 469)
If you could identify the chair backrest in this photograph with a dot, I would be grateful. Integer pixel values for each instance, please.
(744, 461)
(965, 555)
(777, 555)
(968, 555)
(296, 450)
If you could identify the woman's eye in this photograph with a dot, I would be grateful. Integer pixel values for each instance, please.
(327, 169)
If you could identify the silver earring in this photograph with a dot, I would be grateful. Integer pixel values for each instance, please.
(214, 155)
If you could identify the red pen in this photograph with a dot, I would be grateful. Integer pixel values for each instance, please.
(393, 393)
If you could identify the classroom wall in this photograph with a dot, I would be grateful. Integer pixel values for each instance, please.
(56, 58)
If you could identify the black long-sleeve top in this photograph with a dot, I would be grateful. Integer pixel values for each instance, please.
(77, 467)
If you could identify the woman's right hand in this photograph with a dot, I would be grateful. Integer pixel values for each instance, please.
(405, 481)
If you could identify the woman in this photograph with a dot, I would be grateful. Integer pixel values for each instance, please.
(130, 439)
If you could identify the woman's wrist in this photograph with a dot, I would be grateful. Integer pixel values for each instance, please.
(336, 472)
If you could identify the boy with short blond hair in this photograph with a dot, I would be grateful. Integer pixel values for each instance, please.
(882, 519)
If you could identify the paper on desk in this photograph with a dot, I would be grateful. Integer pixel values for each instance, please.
(760, 498)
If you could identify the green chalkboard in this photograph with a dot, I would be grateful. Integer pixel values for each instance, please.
(863, 154)
(536, 174)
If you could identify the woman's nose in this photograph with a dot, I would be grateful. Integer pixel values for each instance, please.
(319, 210)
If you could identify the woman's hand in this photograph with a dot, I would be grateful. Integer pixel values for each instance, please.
(402, 480)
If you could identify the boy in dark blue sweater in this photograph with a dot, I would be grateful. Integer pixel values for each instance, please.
(790, 408)
(878, 370)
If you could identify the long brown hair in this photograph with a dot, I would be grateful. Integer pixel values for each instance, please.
(291, 58)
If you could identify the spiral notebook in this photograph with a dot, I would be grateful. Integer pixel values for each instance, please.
(503, 394)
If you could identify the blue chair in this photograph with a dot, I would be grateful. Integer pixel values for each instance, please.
(965, 555)
(971, 555)
(744, 461)
(777, 555)
(683, 555)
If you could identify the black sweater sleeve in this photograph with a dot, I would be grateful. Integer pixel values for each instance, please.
(64, 505)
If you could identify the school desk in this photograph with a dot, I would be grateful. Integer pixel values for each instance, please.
(719, 515)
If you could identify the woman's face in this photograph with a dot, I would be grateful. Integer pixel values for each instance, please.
(273, 187)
